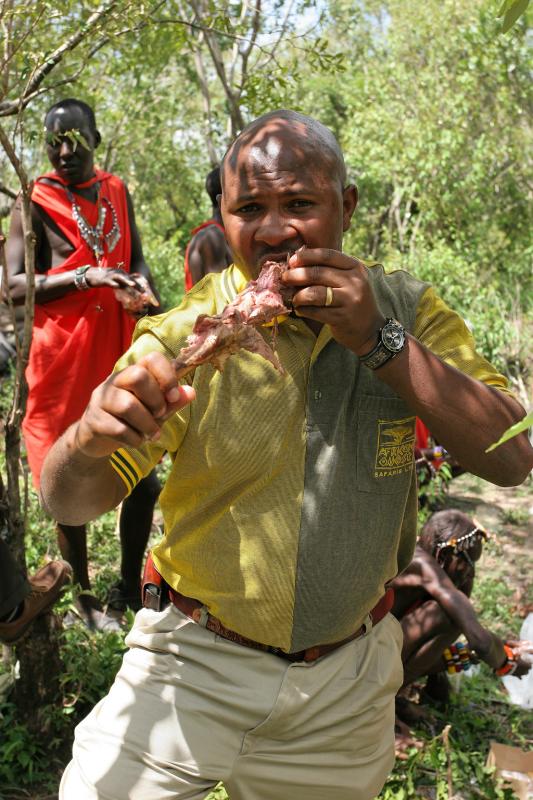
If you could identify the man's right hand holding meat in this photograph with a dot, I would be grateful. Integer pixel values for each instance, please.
(266, 656)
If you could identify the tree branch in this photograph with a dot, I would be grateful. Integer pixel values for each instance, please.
(206, 97)
(7, 108)
(237, 121)
(9, 192)
(245, 53)
(10, 50)
(206, 29)
(282, 31)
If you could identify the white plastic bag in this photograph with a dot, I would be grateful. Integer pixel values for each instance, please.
(521, 689)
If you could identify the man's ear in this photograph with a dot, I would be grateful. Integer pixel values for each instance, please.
(350, 196)
(97, 138)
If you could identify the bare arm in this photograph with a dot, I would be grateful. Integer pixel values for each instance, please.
(208, 252)
(77, 481)
(48, 287)
(76, 488)
(460, 610)
(465, 415)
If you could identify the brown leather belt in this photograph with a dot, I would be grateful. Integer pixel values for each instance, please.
(157, 594)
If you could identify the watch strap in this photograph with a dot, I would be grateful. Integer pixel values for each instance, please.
(381, 354)
(377, 357)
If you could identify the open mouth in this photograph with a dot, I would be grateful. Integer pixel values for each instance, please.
(279, 257)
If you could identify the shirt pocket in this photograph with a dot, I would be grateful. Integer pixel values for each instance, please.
(385, 445)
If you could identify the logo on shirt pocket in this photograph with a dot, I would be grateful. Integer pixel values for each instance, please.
(395, 447)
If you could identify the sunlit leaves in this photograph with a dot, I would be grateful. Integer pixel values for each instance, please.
(74, 135)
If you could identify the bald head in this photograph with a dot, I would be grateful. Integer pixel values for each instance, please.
(283, 188)
(286, 136)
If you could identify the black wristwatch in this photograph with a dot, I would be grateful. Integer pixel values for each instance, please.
(80, 279)
(391, 341)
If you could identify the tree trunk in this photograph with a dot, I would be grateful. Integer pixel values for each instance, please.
(38, 685)
(38, 652)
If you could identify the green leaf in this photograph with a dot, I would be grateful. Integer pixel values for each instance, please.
(507, 4)
(513, 12)
(514, 430)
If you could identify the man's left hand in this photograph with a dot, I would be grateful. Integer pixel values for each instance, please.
(333, 288)
(137, 299)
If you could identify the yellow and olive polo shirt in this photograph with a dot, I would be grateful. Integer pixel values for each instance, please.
(291, 499)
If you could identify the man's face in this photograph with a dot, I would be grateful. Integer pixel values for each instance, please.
(279, 196)
(67, 151)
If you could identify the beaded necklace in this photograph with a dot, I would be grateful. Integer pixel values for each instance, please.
(94, 235)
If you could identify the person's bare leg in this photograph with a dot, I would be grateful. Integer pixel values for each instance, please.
(72, 542)
(428, 631)
(135, 524)
(429, 658)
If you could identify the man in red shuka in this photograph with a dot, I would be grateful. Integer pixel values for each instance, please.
(91, 279)
(207, 251)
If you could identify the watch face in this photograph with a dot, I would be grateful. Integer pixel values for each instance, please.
(393, 336)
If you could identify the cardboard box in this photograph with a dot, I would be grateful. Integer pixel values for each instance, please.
(514, 767)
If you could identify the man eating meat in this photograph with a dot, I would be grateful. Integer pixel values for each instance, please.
(266, 656)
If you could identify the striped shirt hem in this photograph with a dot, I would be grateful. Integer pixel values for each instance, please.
(126, 467)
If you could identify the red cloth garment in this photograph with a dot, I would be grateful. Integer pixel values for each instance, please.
(77, 338)
(423, 442)
(188, 277)
(421, 435)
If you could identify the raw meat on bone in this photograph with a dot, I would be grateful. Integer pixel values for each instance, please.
(215, 339)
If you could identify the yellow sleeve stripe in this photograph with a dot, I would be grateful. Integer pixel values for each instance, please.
(130, 462)
(119, 469)
(128, 470)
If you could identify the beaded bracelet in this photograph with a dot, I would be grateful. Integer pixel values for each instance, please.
(510, 663)
(458, 658)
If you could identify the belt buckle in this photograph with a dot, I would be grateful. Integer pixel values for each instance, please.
(311, 654)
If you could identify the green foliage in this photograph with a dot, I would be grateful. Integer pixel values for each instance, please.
(511, 10)
(514, 430)
(166, 263)
(518, 516)
(439, 160)
(432, 107)
(75, 136)
(91, 662)
(433, 493)
(23, 756)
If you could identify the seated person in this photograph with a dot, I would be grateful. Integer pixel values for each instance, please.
(432, 604)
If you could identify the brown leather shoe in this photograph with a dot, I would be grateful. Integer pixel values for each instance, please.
(46, 587)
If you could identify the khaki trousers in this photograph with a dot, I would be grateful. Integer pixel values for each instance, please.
(189, 708)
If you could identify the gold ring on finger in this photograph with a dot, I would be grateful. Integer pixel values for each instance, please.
(329, 296)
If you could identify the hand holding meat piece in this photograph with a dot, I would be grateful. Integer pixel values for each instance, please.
(136, 298)
(216, 338)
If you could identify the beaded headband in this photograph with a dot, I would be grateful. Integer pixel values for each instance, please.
(462, 543)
